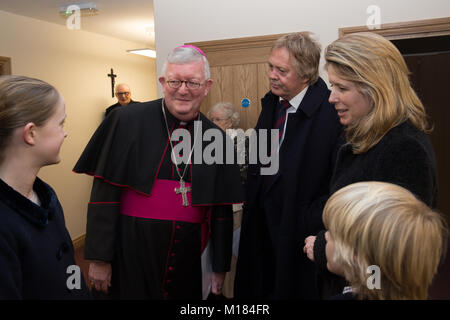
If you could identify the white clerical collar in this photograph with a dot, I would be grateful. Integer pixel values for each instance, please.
(295, 101)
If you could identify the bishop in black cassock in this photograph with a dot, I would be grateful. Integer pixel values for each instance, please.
(154, 258)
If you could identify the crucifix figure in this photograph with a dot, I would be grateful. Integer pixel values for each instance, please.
(113, 81)
(183, 190)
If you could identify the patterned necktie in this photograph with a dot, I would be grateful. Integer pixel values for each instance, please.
(280, 118)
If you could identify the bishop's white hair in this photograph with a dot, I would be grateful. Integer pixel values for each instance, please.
(182, 55)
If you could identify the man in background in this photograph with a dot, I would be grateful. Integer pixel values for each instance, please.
(123, 95)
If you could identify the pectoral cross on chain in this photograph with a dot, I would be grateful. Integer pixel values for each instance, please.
(183, 190)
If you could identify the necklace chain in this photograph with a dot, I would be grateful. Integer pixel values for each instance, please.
(171, 145)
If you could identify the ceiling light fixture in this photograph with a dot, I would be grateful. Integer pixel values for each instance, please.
(144, 52)
(86, 9)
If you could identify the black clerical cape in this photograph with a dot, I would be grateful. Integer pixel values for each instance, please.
(154, 258)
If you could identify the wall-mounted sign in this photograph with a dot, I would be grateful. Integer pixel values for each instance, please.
(245, 103)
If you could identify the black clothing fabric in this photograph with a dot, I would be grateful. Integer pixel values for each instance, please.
(279, 212)
(35, 248)
(404, 156)
(319, 254)
(117, 105)
(154, 259)
(348, 296)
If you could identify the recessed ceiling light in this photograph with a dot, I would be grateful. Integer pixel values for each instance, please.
(144, 52)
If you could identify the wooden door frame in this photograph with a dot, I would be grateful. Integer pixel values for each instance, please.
(5, 65)
(251, 44)
(406, 30)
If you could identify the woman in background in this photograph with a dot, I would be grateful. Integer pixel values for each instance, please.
(224, 115)
(36, 250)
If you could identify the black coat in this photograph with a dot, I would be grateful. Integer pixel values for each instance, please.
(117, 105)
(282, 206)
(404, 156)
(35, 248)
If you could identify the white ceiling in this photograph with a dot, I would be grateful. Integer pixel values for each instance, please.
(130, 20)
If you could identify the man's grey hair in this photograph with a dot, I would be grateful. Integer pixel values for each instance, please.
(183, 55)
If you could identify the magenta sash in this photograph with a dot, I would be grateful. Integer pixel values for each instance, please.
(163, 204)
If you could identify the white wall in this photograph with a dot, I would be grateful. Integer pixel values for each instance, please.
(178, 22)
(76, 63)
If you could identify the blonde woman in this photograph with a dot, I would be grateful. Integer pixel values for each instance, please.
(385, 241)
(35, 248)
(385, 127)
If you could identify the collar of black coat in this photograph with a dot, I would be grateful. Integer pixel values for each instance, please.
(38, 215)
(312, 100)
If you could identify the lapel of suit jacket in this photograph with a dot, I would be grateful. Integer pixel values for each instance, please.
(296, 123)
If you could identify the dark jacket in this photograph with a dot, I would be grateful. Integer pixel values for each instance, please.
(35, 248)
(404, 156)
(117, 105)
(280, 212)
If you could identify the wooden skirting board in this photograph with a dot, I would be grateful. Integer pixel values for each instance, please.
(79, 241)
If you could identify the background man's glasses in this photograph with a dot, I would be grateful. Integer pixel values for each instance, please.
(175, 84)
(122, 93)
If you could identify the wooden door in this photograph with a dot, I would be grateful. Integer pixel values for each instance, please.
(428, 60)
(5, 66)
(239, 68)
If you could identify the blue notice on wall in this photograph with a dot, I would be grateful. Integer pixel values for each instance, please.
(245, 103)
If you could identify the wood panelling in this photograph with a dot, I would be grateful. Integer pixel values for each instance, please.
(79, 241)
(236, 82)
(238, 56)
(404, 30)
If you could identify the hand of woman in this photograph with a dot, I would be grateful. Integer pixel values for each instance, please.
(308, 249)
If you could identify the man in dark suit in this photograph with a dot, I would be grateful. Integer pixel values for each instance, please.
(285, 207)
(123, 95)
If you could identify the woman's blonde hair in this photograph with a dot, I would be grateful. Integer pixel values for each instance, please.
(24, 100)
(378, 69)
(382, 224)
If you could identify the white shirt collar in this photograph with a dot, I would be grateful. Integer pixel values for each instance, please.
(295, 101)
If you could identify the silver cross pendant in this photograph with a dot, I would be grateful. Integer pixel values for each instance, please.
(183, 190)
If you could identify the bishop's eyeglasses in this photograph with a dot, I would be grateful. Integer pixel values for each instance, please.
(175, 84)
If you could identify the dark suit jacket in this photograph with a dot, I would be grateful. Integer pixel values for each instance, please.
(285, 208)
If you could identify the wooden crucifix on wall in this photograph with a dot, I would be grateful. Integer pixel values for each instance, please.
(113, 81)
